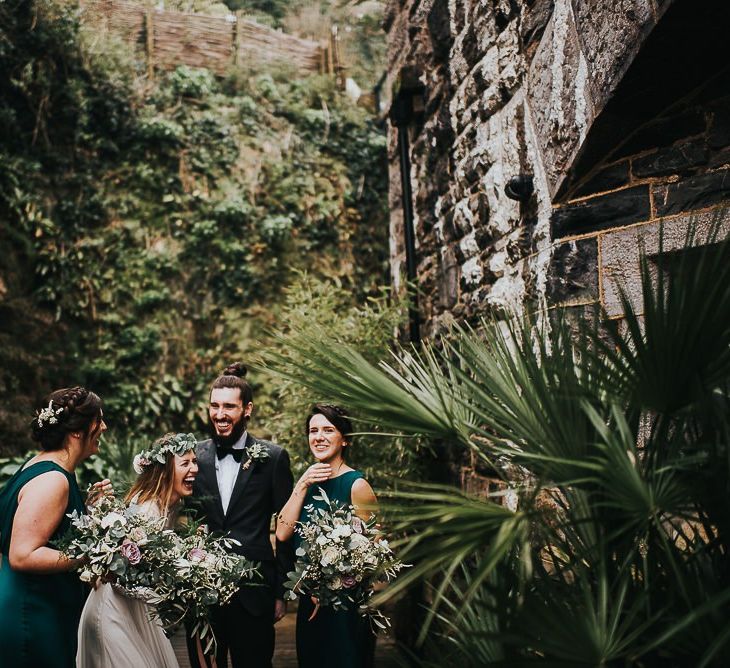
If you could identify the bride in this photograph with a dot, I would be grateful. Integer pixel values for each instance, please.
(116, 631)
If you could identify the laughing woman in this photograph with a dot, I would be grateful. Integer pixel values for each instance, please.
(327, 638)
(40, 596)
(116, 630)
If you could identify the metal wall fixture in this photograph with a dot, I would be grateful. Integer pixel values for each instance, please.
(407, 109)
(520, 187)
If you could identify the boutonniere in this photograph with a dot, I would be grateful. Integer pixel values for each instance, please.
(256, 453)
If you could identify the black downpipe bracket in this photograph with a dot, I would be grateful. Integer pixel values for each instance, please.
(406, 109)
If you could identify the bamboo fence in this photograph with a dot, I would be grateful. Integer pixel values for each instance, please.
(169, 39)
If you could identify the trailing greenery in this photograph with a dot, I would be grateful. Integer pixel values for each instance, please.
(316, 311)
(150, 228)
(613, 438)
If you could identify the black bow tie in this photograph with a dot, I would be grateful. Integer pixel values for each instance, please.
(224, 452)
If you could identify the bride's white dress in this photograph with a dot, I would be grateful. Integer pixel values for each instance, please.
(116, 631)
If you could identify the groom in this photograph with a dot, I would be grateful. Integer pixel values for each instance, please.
(242, 481)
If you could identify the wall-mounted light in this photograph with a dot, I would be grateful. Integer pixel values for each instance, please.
(520, 187)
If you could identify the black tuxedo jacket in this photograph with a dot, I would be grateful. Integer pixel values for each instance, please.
(258, 493)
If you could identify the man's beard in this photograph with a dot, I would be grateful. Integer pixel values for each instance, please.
(227, 441)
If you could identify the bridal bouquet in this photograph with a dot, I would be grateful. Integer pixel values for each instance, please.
(204, 573)
(179, 576)
(341, 559)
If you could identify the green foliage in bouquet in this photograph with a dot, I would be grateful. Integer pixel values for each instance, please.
(340, 559)
(180, 575)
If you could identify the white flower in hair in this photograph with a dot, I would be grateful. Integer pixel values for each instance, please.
(48, 414)
(140, 463)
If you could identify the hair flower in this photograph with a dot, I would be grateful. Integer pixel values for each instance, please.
(48, 414)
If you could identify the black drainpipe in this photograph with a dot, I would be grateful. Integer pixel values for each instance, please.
(407, 108)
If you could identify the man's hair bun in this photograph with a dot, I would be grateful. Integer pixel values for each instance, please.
(237, 369)
(234, 375)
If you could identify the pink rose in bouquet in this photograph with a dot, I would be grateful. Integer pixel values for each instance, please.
(131, 551)
(197, 554)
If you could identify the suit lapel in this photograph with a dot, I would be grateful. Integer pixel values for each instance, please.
(243, 475)
(206, 464)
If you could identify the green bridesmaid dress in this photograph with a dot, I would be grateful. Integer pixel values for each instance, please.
(39, 614)
(341, 639)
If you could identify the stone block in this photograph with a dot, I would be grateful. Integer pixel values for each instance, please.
(720, 159)
(479, 206)
(608, 178)
(467, 248)
(439, 30)
(459, 14)
(573, 272)
(505, 12)
(472, 273)
(448, 284)
(719, 135)
(534, 19)
(444, 227)
(610, 35)
(663, 132)
(559, 95)
(463, 219)
(676, 159)
(484, 237)
(615, 209)
(692, 193)
(621, 251)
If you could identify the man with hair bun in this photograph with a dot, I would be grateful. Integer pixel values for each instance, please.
(242, 481)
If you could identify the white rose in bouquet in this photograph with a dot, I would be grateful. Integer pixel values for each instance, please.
(330, 555)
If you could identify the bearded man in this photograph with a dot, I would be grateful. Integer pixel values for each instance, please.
(242, 481)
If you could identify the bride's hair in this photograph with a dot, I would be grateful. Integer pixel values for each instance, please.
(155, 483)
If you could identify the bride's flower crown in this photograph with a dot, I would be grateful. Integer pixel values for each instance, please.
(176, 444)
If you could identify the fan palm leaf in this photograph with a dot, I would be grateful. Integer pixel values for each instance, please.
(616, 436)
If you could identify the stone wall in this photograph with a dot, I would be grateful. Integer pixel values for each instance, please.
(620, 111)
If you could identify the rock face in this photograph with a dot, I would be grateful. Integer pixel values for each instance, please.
(619, 110)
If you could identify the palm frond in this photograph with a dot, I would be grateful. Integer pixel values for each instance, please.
(415, 397)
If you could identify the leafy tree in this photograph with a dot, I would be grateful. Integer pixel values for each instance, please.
(149, 231)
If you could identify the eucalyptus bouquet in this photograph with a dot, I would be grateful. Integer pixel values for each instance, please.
(340, 560)
(204, 573)
(179, 576)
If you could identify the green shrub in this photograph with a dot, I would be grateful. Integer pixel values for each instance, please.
(316, 309)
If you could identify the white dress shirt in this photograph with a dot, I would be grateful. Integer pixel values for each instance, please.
(226, 472)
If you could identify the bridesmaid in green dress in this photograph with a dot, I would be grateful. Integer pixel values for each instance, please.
(40, 597)
(328, 638)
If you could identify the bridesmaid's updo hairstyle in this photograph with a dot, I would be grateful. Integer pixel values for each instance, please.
(234, 375)
(71, 409)
(336, 415)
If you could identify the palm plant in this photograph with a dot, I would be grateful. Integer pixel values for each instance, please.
(615, 437)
